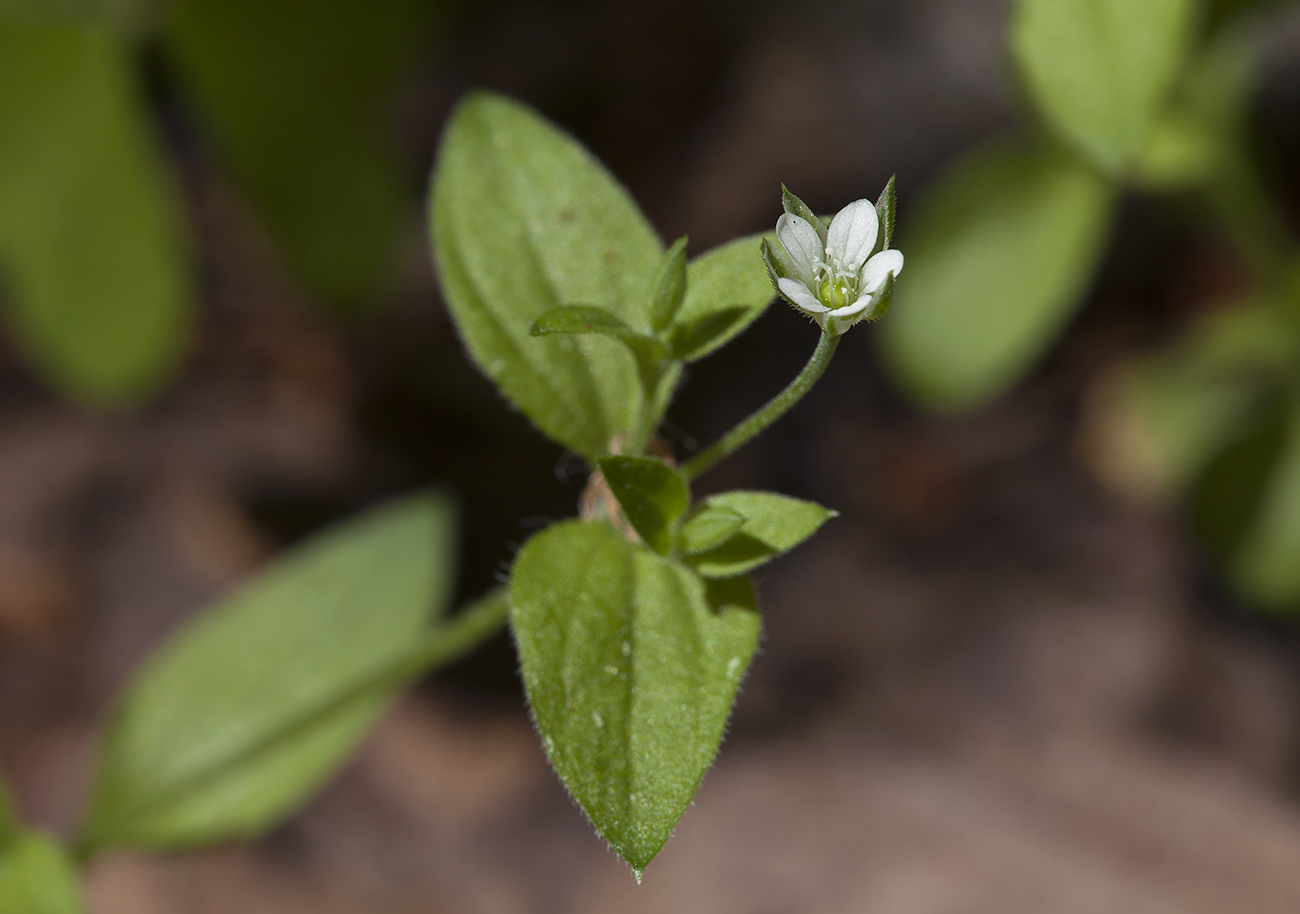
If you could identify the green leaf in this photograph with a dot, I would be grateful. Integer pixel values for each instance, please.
(585, 319)
(129, 18)
(296, 97)
(1180, 407)
(726, 290)
(95, 279)
(9, 826)
(669, 286)
(1099, 70)
(711, 526)
(209, 741)
(631, 666)
(1263, 567)
(998, 256)
(525, 220)
(651, 493)
(773, 524)
(37, 878)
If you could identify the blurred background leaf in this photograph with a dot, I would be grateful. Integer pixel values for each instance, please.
(37, 878)
(1099, 70)
(92, 271)
(298, 98)
(208, 742)
(999, 255)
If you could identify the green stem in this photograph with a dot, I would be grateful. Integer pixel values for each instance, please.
(777, 407)
(455, 637)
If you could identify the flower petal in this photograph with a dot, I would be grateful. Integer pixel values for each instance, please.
(798, 294)
(801, 242)
(880, 266)
(852, 234)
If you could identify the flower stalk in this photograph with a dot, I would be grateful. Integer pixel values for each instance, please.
(775, 408)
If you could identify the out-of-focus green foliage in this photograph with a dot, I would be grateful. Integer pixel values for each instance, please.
(997, 258)
(631, 663)
(250, 708)
(37, 878)
(298, 98)
(91, 266)
(1099, 70)
(125, 17)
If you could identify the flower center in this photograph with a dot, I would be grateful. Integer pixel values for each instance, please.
(837, 285)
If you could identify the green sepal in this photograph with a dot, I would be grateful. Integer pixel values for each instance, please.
(669, 286)
(631, 664)
(796, 207)
(773, 524)
(651, 493)
(886, 209)
(709, 527)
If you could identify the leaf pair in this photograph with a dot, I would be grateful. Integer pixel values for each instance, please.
(527, 226)
(726, 535)
(631, 656)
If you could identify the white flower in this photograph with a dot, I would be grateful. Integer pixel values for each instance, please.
(830, 273)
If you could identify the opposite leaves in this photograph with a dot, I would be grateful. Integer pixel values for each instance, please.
(631, 664)
(252, 706)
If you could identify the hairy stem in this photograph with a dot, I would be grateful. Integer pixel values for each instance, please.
(777, 407)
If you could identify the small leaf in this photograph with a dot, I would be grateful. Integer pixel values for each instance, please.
(998, 257)
(796, 207)
(651, 493)
(97, 293)
(730, 279)
(1100, 70)
(524, 220)
(585, 319)
(773, 524)
(700, 335)
(291, 96)
(711, 526)
(669, 286)
(886, 211)
(37, 878)
(208, 742)
(631, 666)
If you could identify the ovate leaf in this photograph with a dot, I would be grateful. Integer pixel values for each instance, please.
(998, 257)
(726, 290)
(91, 271)
(297, 100)
(585, 319)
(1099, 70)
(631, 666)
(37, 878)
(209, 742)
(525, 220)
(651, 493)
(773, 524)
(709, 527)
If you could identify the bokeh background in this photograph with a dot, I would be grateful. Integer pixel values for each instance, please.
(991, 685)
